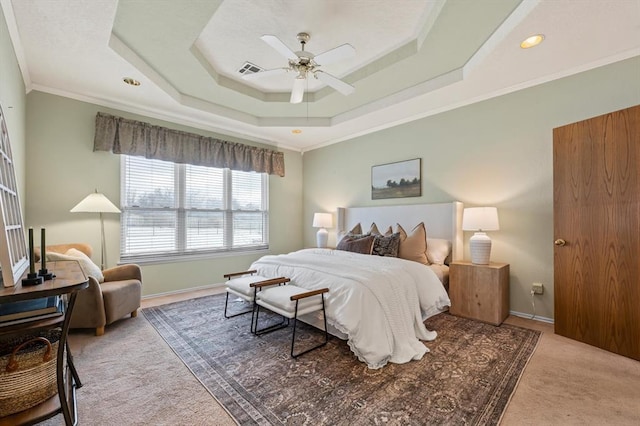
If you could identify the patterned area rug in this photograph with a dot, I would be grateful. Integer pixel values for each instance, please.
(467, 378)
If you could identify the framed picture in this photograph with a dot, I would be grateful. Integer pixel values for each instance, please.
(397, 180)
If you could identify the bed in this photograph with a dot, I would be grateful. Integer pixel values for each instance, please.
(378, 304)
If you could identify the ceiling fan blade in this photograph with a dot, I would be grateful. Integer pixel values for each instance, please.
(266, 73)
(279, 46)
(297, 93)
(336, 83)
(339, 53)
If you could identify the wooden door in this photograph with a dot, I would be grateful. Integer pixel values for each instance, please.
(596, 180)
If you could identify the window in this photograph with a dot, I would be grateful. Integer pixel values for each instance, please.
(175, 210)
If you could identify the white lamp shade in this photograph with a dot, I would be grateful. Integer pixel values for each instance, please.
(480, 219)
(322, 220)
(95, 203)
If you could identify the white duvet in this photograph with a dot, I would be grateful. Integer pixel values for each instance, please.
(379, 303)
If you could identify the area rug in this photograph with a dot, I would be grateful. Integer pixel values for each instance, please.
(467, 378)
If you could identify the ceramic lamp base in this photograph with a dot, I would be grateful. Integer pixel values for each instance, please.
(480, 247)
(322, 237)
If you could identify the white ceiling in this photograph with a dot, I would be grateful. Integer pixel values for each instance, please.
(414, 58)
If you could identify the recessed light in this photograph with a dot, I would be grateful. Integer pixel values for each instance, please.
(532, 41)
(131, 81)
(296, 131)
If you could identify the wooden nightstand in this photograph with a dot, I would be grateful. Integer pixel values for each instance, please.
(479, 292)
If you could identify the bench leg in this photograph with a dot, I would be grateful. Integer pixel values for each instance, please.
(293, 335)
(269, 329)
(226, 301)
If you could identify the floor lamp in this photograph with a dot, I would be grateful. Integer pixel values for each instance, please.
(97, 203)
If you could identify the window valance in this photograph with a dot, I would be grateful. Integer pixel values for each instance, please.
(122, 136)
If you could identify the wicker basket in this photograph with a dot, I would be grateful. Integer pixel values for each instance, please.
(28, 372)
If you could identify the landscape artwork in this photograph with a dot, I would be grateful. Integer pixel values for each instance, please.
(396, 180)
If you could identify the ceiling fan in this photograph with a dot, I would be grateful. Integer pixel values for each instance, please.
(307, 64)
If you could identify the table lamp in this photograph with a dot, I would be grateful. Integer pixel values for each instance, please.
(480, 219)
(322, 221)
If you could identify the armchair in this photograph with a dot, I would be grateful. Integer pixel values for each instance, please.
(103, 303)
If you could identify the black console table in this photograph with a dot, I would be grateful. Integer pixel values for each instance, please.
(69, 279)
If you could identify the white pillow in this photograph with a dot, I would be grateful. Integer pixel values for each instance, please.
(438, 250)
(87, 265)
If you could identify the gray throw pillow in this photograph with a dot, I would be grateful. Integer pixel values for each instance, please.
(386, 246)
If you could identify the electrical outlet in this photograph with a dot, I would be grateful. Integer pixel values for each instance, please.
(537, 288)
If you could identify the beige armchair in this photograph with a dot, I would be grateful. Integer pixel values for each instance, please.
(103, 303)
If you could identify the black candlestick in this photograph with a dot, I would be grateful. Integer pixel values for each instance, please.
(43, 254)
(32, 277)
(32, 265)
(46, 275)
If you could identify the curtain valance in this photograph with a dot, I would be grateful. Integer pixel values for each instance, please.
(122, 136)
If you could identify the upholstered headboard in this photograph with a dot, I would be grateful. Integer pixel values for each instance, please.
(442, 220)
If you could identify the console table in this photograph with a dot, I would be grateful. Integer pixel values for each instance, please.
(69, 279)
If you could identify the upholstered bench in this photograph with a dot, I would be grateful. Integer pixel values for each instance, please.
(240, 284)
(290, 301)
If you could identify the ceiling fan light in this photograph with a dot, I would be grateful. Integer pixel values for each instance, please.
(304, 64)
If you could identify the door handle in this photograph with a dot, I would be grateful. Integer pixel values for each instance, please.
(560, 242)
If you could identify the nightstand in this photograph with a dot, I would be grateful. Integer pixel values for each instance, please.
(479, 292)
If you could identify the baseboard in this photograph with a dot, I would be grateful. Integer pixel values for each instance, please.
(535, 318)
(184, 290)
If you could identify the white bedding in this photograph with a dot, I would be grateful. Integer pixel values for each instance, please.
(379, 303)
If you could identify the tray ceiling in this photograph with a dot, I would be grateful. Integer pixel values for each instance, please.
(413, 58)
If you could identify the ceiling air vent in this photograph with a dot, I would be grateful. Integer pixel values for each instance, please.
(249, 68)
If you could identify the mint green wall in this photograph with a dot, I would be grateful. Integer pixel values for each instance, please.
(497, 152)
(13, 102)
(63, 169)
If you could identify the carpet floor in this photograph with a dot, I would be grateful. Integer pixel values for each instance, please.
(468, 376)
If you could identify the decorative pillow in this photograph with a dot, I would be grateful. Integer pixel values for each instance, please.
(353, 244)
(438, 250)
(356, 230)
(413, 246)
(374, 230)
(386, 246)
(87, 265)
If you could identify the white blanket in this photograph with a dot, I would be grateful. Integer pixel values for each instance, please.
(379, 303)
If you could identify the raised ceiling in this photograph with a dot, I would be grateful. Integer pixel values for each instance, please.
(413, 58)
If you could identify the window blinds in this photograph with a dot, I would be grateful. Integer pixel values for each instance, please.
(171, 210)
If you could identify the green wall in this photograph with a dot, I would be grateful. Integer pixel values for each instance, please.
(497, 152)
(13, 103)
(63, 169)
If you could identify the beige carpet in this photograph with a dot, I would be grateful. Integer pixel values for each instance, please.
(572, 383)
(565, 382)
(131, 377)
